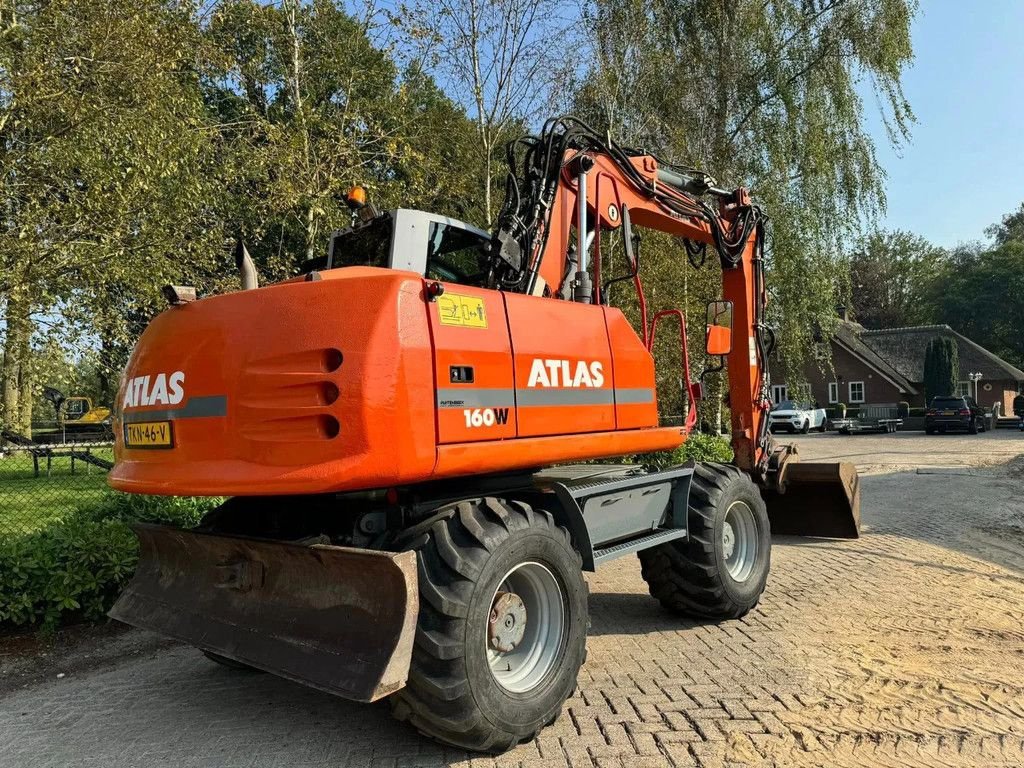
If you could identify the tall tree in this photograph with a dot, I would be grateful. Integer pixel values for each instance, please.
(104, 163)
(941, 368)
(309, 106)
(978, 292)
(891, 277)
(1010, 228)
(505, 55)
(768, 95)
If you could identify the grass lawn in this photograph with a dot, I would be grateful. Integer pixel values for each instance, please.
(28, 503)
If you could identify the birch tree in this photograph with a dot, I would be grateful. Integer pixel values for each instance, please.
(501, 59)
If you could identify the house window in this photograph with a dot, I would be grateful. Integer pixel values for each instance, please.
(779, 393)
(963, 388)
(833, 392)
(856, 391)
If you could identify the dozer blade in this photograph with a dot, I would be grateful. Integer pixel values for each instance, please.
(816, 500)
(336, 618)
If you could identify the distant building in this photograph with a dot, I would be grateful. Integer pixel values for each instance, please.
(887, 366)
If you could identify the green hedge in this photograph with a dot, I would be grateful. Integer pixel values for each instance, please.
(74, 568)
(698, 446)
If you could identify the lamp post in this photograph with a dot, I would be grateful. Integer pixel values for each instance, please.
(974, 377)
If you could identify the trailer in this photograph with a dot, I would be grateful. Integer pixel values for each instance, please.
(872, 418)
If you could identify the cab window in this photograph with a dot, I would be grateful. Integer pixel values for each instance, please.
(456, 255)
(365, 245)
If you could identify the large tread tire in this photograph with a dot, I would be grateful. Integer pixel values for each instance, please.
(463, 556)
(690, 576)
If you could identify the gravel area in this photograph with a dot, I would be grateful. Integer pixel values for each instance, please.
(905, 647)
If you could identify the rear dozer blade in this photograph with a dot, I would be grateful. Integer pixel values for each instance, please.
(336, 618)
(816, 500)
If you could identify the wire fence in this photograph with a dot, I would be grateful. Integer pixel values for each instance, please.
(42, 483)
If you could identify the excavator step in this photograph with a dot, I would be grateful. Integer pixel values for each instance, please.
(660, 536)
(616, 510)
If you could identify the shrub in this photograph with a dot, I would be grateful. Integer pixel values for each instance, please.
(698, 446)
(917, 411)
(75, 568)
(903, 409)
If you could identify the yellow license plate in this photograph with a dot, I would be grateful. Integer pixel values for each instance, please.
(149, 434)
(948, 413)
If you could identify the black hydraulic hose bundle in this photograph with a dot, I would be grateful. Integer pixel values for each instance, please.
(532, 183)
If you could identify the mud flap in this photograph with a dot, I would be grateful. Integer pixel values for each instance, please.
(816, 500)
(335, 618)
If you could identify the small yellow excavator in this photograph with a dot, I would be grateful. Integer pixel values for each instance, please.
(77, 418)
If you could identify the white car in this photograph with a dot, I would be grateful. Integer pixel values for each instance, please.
(797, 417)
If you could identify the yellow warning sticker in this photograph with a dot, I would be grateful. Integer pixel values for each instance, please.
(463, 311)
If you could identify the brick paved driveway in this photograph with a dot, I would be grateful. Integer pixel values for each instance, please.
(903, 648)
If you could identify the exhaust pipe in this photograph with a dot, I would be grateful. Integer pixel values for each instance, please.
(246, 268)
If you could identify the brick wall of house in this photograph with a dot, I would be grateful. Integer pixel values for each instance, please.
(1002, 392)
(848, 368)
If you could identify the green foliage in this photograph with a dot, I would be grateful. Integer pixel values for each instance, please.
(903, 408)
(1011, 228)
(310, 107)
(978, 293)
(137, 139)
(767, 95)
(941, 368)
(891, 276)
(75, 567)
(698, 447)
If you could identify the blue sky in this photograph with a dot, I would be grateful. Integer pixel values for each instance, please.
(964, 166)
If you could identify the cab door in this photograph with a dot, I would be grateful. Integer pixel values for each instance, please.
(563, 366)
(472, 365)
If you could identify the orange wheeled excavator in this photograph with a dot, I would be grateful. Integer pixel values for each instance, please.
(401, 431)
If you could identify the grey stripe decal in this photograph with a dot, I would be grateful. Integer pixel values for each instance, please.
(632, 396)
(475, 398)
(496, 397)
(194, 408)
(528, 397)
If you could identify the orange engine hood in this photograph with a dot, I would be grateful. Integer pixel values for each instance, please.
(304, 386)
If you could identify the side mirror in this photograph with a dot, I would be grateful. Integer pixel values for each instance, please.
(718, 339)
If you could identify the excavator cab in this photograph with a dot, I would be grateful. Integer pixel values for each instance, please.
(434, 246)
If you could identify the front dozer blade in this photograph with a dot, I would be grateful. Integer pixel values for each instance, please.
(816, 500)
(336, 618)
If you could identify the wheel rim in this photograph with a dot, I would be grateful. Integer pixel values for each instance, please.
(529, 595)
(739, 541)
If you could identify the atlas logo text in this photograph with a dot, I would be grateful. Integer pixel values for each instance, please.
(562, 373)
(161, 389)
